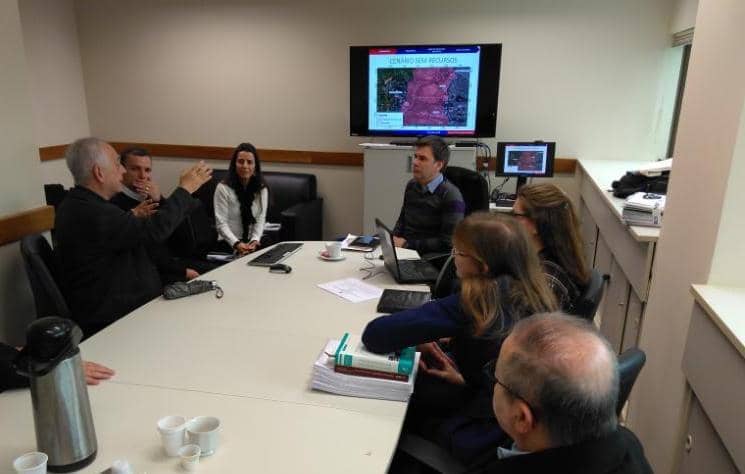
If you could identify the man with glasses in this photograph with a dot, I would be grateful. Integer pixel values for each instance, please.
(555, 393)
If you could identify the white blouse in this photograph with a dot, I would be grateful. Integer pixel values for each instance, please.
(228, 219)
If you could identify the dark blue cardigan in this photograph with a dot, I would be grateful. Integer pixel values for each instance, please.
(435, 320)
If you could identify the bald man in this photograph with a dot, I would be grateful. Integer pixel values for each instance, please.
(555, 393)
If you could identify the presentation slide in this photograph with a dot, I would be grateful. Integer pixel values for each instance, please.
(430, 90)
(526, 159)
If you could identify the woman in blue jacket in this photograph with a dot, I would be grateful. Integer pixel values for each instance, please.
(501, 282)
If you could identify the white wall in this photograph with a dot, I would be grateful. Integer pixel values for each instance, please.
(583, 72)
(684, 15)
(55, 76)
(20, 187)
(705, 156)
(729, 253)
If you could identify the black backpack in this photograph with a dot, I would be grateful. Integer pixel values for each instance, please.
(632, 183)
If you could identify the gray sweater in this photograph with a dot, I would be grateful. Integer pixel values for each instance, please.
(427, 220)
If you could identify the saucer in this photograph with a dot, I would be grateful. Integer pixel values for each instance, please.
(329, 259)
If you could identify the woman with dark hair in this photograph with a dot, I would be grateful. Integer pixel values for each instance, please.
(549, 218)
(241, 201)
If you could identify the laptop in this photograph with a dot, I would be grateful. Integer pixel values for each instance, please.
(403, 271)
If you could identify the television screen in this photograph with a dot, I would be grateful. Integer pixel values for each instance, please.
(528, 159)
(446, 90)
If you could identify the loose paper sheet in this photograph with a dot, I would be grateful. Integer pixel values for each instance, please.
(352, 289)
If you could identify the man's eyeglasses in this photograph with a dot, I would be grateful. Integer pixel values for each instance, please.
(488, 372)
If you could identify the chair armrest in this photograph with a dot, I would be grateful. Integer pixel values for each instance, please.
(303, 221)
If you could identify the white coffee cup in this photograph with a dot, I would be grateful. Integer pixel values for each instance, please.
(204, 431)
(333, 249)
(189, 455)
(121, 466)
(31, 463)
(171, 429)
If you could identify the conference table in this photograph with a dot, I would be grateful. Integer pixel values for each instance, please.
(245, 358)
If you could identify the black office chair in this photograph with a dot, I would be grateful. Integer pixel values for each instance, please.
(426, 457)
(472, 186)
(39, 263)
(587, 304)
(630, 363)
(447, 281)
(54, 194)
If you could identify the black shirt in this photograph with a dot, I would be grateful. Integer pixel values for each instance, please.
(105, 271)
(169, 268)
(618, 453)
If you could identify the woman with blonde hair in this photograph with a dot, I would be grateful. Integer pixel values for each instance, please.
(549, 218)
(501, 282)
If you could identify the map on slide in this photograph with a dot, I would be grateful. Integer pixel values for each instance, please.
(425, 96)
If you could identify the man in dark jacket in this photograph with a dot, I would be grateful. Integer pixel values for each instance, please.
(555, 393)
(138, 186)
(104, 266)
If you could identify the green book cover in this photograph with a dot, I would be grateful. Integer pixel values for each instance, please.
(352, 353)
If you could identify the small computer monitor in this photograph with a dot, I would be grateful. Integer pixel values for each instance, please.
(525, 160)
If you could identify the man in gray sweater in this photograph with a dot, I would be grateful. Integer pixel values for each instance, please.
(432, 205)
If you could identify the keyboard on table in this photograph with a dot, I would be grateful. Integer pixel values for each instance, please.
(504, 202)
(275, 254)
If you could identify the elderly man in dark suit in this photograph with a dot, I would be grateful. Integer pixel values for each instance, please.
(105, 271)
(555, 393)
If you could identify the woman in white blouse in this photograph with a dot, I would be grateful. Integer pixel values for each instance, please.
(241, 201)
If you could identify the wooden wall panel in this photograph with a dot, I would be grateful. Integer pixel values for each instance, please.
(199, 152)
(15, 226)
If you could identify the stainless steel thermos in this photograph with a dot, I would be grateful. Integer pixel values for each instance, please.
(62, 413)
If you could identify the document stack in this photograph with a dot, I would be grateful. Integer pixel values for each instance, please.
(346, 368)
(645, 209)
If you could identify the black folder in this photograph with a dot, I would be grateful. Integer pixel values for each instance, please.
(392, 301)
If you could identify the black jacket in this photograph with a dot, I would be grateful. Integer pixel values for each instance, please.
(618, 453)
(105, 271)
(169, 268)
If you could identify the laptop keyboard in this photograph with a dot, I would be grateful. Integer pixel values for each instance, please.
(417, 270)
(276, 254)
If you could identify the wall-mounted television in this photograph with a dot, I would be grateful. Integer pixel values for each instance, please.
(415, 90)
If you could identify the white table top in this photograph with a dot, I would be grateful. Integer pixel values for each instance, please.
(602, 173)
(245, 358)
(724, 306)
(256, 435)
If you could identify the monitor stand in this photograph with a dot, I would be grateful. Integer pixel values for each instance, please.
(521, 181)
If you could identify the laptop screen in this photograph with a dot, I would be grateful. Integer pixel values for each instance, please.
(387, 247)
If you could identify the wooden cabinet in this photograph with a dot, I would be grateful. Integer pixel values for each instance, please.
(589, 233)
(714, 367)
(703, 450)
(614, 306)
(624, 254)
